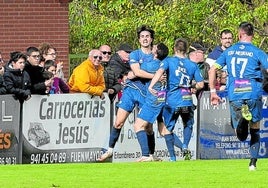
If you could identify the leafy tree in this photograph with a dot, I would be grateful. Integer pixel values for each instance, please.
(97, 22)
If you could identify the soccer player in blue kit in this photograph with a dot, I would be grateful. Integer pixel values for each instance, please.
(244, 62)
(135, 90)
(153, 104)
(180, 73)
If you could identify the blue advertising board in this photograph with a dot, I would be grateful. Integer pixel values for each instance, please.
(217, 139)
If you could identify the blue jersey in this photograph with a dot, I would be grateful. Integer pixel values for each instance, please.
(244, 62)
(180, 71)
(153, 104)
(152, 67)
(138, 56)
(135, 90)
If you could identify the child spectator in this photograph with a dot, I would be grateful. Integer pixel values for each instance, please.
(58, 86)
(17, 80)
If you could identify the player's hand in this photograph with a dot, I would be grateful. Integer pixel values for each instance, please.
(214, 98)
(193, 90)
(131, 75)
(153, 91)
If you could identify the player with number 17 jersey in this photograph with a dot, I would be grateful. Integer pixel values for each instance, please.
(244, 79)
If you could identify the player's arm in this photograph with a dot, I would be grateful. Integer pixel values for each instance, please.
(138, 72)
(155, 79)
(214, 98)
(212, 78)
(199, 85)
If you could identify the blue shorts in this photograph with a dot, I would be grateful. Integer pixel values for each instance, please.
(171, 115)
(130, 98)
(151, 108)
(254, 105)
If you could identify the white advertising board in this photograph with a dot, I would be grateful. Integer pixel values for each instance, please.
(127, 147)
(65, 128)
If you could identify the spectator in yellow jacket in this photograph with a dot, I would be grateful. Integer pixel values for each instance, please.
(88, 76)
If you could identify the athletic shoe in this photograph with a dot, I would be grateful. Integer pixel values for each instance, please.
(172, 159)
(252, 164)
(187, 154)
(246, 113)
(154, 158)
(145, 159)
(242, 130)
(105, 156)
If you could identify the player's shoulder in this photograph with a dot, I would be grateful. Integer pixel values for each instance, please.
(137, 51)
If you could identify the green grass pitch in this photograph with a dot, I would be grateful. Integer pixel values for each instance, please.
(229, 173)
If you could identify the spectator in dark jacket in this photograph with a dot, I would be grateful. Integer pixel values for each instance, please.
(112, 86)
(17, 80)
(39, 83)
(2, 70)
(2, 86)
(119, 62)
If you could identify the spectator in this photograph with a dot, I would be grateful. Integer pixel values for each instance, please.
(2, 86)
(16, 79)
(2, 69)
(120, 60)
(106, 52)
(88, 76)
(244, 62)
(220, 83)
(2, 65)
(197, 55)
(38, 83)
(58, 86)
(49, 52)
(112, 86)
(226, 39)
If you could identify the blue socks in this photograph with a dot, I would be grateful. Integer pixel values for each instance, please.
(177, 141)
(170, 146)
(114, 137)
(143, 141)
(254, 143)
